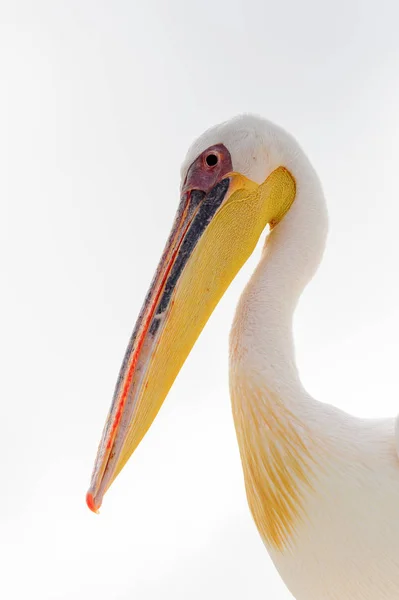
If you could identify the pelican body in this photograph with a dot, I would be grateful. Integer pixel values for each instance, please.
(322, 486)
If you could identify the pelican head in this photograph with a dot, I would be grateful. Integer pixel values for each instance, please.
(235, 180)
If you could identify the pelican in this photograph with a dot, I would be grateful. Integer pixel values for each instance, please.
(322, 485)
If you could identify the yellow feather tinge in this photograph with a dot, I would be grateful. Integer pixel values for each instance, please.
(278, 458)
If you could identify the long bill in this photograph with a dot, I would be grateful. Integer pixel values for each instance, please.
(213, 235)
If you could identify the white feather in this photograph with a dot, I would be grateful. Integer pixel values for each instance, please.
(346, 546)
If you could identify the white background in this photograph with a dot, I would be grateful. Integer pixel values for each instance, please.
(98, 103)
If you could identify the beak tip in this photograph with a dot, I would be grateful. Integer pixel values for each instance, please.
(91, 503)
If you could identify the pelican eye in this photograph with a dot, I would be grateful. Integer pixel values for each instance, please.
(211, 160)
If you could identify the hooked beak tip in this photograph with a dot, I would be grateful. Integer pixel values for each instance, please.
(91, 504)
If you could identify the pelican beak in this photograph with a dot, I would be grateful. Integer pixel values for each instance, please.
(213, 234)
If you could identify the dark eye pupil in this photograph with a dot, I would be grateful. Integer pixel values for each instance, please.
(211, 160)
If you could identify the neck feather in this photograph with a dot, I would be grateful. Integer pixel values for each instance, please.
(270, 407)
(262, 338)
